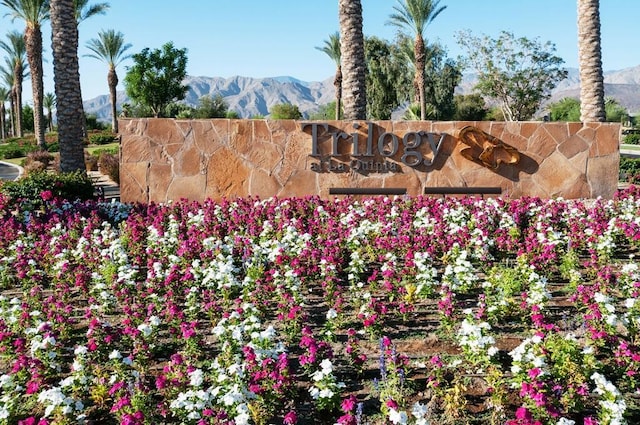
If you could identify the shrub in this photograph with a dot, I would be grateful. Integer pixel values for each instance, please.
(33, 187)
(91, 161)
(40, 156)
(110, 165)
(631, 139)
(103, 138)
(630, 170)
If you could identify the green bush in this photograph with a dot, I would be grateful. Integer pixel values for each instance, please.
(631, 139)
(12, 150)
(630, 170)
(101, 151)
(37, 187)
(103, 138)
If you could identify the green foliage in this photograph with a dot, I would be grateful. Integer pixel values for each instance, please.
(285, 111)
(325, 112)
(631, 139)
(519, 73)
(211, 107)
(567, 109)
(102, 138)
(630, 170)
(31, 188)
(442, 75)
(155, 79)
(469, 107)
(27, 118)
(614, 111)
(387, 82)
(92, 122)
(232, 115)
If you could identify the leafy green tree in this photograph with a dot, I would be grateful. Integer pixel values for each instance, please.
(284, 111)
(614, 111)
(469, 107)
(332, 49)
(27, 118)
(387, 85)
(111, 49)
(211, 107)
(413, 16)
(325, 112)
(519, 73)
(155, 79)
(566, 109)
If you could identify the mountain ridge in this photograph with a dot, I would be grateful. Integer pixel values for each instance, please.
(255, 96)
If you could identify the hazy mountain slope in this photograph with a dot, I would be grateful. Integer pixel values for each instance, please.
(255, 96)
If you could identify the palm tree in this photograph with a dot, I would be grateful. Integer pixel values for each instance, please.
(414, 16)
(110, 48)
(4, 96)
(84, 10)
(66, 74)
(7, 77)
(33, 12)
(592, 106)
(332, 49)
(15, 47)
(354, 83)
(49, 103)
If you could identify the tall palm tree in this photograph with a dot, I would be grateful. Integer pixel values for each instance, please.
(49, 103)
(590, 62)
(110, 48)
(66, 75)
(332, 49)
(4, 96)
(6, 73)
(33, 13)
(16, 50)
(354, 83)
(414, 16)
(84, 10)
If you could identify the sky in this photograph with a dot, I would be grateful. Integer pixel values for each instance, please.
(271, 38)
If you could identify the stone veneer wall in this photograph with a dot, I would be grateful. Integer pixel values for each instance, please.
(166, 159)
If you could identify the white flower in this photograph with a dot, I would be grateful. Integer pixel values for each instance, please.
(332, 314)
(326, 366)
(115, 354)
(196, 378)
(145, 329)
(419, 410)
(565, 421)
(398, 417)
(80, 350)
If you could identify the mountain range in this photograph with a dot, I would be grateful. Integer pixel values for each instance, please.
(255, 96)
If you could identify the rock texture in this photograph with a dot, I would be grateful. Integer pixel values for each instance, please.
(165, 159)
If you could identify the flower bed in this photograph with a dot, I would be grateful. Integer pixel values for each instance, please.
(409, 310)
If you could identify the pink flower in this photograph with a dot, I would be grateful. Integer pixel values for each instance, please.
(46, 195)
(290, 418)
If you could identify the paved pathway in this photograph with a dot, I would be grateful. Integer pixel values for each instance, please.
(9, 171)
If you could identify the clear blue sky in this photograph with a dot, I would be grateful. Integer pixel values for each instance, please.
(260, 38)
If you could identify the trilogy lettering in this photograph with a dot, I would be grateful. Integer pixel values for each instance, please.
(386, 146)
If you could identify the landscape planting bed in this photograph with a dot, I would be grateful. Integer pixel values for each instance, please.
(369, 311)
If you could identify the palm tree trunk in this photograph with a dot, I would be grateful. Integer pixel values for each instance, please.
(33, 42)
(17, 83)
(337, 83)
(67, 85)
(354, 83)
(590, 62)
(12, 112)
(112, 80)
(419, 51)
(3, 112)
